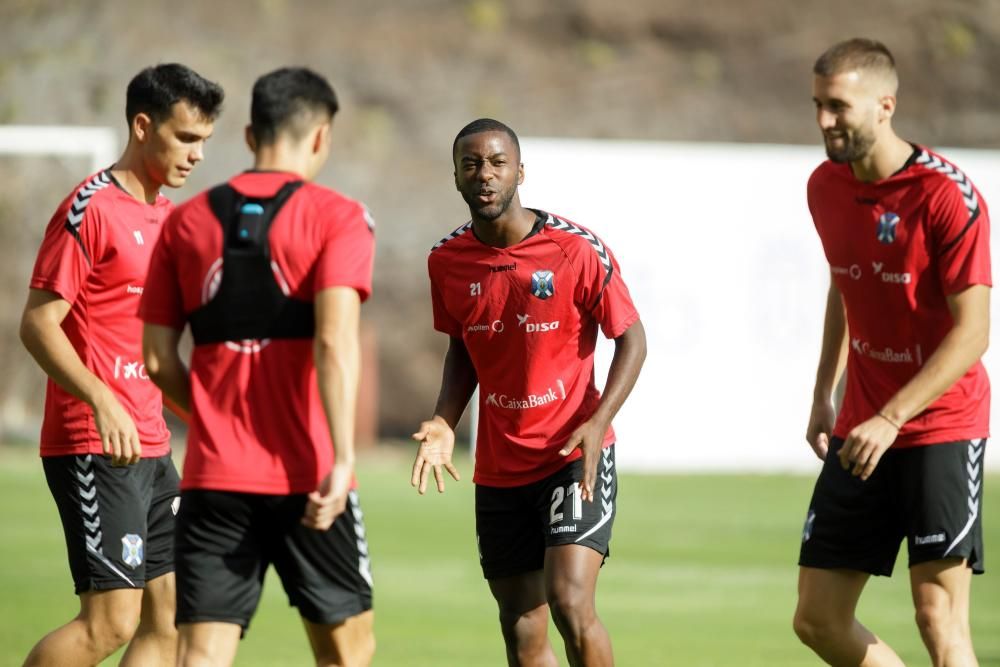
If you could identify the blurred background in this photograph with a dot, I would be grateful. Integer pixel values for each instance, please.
(411, 73)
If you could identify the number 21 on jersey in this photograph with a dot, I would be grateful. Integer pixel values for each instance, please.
(475, 289)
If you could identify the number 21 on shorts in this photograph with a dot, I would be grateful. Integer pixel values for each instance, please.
(560, 497)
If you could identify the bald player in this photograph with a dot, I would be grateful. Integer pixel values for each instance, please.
(906, 235)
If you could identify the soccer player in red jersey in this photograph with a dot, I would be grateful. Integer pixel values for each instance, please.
(104, 445)
(270, 270)
(906, 235)
(521, 294)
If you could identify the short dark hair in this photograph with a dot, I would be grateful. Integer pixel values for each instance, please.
(485, 125)
(288, 100)
(852, 54)
(155, 90)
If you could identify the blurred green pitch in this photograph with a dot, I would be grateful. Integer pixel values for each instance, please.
(702, 574)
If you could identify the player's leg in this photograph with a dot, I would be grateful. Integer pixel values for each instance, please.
(825, 619)
(943, 493)
(524, 619)
(512, 555)
(327, 576)
(941, 600)
(106, 621)
(570, 586)
(220, 569)
(155, 640)
(104, 527)
(577, 539)
(853, 530)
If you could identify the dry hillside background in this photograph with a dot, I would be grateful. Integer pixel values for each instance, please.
(410, 73)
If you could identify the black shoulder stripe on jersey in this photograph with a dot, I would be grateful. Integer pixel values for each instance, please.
(596, 243)
(952, 243)
(75, 233)
(965, 187)
(454, 235)
(74, 217)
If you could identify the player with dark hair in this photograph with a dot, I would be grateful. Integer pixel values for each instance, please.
(104, 445)
(521, 294)
(906, 235)
(269, 270)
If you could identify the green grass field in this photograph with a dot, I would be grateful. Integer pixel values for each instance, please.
(703, 574)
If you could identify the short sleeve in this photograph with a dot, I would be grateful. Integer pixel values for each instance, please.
(348, 254)
(603, 292)
(443, 320)
(960, 230)
(69, 250)
(162, 297)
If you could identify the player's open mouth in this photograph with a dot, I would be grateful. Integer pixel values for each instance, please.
(487, 195)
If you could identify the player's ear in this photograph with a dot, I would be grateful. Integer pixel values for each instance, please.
(520, 173)
(250, 139)
(886, 107)
(142, 127)
(321, 138)
(455, 175)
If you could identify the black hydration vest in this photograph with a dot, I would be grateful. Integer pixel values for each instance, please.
(249, 303)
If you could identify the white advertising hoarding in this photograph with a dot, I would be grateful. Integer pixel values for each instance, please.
(717, 246)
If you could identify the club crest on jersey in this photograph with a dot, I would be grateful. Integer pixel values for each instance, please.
(132, 550)
(543, 284)
(886, 232)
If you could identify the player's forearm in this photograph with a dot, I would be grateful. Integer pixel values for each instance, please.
(962, 347)
(458, 382)
(47, 343)
(338, 371)
(164, 365)
(833, 351)
(630, 353)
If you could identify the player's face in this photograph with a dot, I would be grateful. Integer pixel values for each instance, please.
(846, 111)
(176, 145)
(487, 173)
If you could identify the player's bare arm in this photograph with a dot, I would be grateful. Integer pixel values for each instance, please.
(832, 359)
(630, 353)
(43, 336)
(337, 354)
(962, 347)
(437, 435)
(164, 365)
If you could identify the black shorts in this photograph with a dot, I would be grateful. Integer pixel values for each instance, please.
(118, 521)
(515, 525)
(226, 540)
(932, 496)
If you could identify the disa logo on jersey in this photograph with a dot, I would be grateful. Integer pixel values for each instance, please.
(543, 284)
(886, 231)
(535, 327)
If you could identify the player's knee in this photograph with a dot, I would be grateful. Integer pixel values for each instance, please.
(815, 630)
(359, 651)
(935, 619)
(572, 610)
(109, 632)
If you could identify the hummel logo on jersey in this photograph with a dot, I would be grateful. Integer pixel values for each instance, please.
(543, 284)
(133, 289)
(503, 267)
(536, 327)
(936, 538)
(886, 231)
(138, 237)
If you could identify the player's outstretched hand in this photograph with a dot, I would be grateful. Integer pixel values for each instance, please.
(588, 437)
(437, 442)
(865, 444)
(328, 501)
(821, 419)
(119, 438)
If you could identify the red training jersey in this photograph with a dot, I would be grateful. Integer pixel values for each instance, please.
(897, 248)
(257, 423)
(528, 315)
(95, 255)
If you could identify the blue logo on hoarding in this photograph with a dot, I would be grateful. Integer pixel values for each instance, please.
(543, 284)
(886, 232)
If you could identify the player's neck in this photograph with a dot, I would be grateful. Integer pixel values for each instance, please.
(281, 157)
(130, 173)
(509, 229)
(887, 156)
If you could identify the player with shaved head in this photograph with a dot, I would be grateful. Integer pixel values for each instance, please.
(906, 235)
